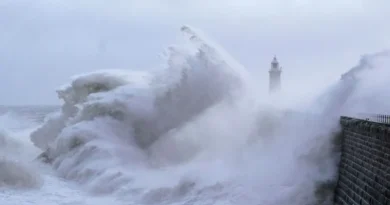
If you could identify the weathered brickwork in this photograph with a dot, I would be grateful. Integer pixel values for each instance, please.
(364, 174)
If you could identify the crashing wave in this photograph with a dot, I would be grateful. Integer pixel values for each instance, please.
(370, 94)
(110, 119)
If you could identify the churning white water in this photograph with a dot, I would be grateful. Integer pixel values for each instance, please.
(195, 132)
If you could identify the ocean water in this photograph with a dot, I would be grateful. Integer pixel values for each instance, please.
(193, 132)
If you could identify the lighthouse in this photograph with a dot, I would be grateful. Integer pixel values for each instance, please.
(274, 76)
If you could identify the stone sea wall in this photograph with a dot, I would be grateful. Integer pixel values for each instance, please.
(364, 170)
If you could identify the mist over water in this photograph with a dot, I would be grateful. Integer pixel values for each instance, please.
(194, 132)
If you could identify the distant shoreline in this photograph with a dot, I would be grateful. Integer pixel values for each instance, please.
(20, 106)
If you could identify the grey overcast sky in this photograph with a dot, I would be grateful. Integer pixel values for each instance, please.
(44, 42)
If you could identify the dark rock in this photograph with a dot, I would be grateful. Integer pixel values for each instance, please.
(44, 157)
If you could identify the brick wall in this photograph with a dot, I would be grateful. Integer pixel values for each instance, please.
(364, 174)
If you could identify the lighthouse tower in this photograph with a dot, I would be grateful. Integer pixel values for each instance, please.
(274, 76)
